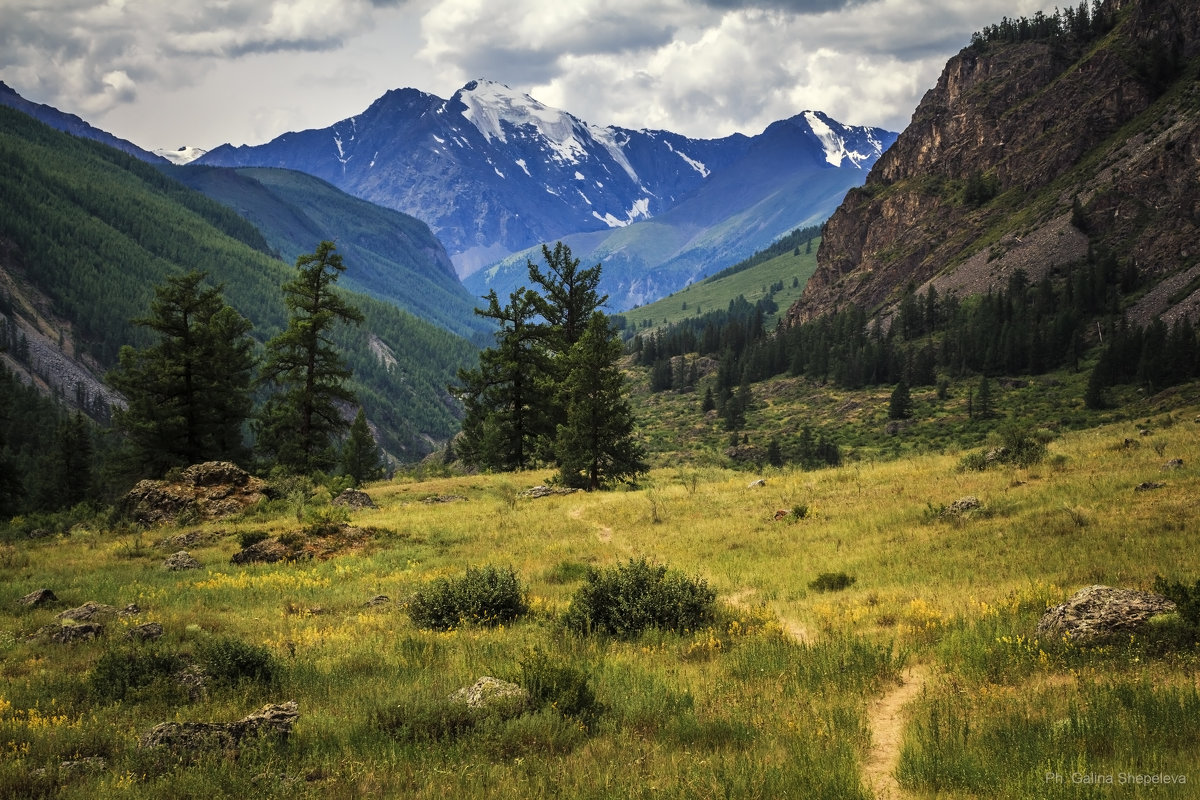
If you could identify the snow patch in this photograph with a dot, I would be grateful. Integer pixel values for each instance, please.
(833, 145)
(184, 155)
(607, 137)
(578, 175)
(489, 104)
(498, 172)
(521, 163)
(639, 210)
(699, 166)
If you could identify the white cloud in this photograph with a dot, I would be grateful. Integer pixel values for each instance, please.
(164, 74)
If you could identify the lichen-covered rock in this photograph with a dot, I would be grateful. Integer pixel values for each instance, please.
(547, 491)
(961, 506)
(68, 634)
(268, 551)
(39, 598)
(1096, 613)
(492, 695)
(187, 737)
(90, 610)
(354, 499)
(181, 561)
(146, 632)
(204, 491)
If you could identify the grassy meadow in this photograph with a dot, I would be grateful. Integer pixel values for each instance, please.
(782, 695)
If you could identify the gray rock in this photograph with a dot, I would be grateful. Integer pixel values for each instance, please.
(186, 737)
(90, 610)
(492, 695)
(39, 598)
(961, 506)
(146, 632)
(378, 600)
(1096, 613)
(68, 634)
(1174, 463)
(546, 491)
(354, 499)
(1146, 486)
(268, 551)
(181, 561)
(756, 484)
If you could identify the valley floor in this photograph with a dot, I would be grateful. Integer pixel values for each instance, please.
(923, 677)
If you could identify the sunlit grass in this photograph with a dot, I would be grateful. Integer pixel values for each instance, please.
(769, 699)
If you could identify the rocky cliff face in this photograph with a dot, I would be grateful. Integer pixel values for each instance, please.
(985, 178)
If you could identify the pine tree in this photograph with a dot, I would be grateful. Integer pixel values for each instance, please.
(189, 393)
(596, 445)
(297, 424)
(506, 397)
(984, 405)
(361, 459)
(900, 404)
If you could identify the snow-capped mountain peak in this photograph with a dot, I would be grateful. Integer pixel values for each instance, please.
(182, 155)
(489, 104)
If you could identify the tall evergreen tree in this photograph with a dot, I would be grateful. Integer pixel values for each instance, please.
(568, 295)
(361, 459)
(189, 393)
(298, 423)
(596, 445)
(506, 397)
(900, 405)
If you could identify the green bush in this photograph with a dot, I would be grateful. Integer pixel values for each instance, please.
(831, 582)
(563, 686)
(628, 599)
(123, 672)
(250, 538)
(1016, 447)
(484, 596)
(1186, 599)
(231, 661)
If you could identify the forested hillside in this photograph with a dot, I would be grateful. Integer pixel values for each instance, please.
(88, 232)
(389, 255)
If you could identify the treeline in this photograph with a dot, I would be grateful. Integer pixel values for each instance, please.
(1081, 23)
(1021, 328)
(1155, 356)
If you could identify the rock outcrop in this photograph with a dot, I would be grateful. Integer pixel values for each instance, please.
(354, 500)
(188, 737)
(1025, 116)
(183, 560)
(492, 695)
(206, 491)
(1098, 613)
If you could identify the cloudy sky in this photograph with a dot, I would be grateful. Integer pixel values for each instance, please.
(165, 74)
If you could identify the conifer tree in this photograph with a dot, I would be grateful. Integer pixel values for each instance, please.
(297, 424)
(189, 393)
(900, 404)
(361, 459)
(596, 445)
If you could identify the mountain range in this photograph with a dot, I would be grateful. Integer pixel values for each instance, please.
(495, 173)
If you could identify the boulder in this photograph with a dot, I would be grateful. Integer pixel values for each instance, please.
(1146, 486)
(68, 634)
(206, 491)
(453, 498)
(961, 506)
(355, 500)
(1096, 613)
(90, 610)
(38, 598)
(492, 695)
(756, 484)
(185, 737)
(268, 551)
(180, 561)
(1174, 463)
(378, 600)
(544, 491)
(146, 632)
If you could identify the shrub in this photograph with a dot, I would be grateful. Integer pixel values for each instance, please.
(231, 661)
(628, 599)
(561, 685)
(484, 596)
(1186, 598)
(122, 672)
(420, 720)
(250, 538)
(831, 582)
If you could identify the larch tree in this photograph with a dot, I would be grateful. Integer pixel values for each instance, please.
(189, 393)
(298, 423)
(596, 445)
(361, 459)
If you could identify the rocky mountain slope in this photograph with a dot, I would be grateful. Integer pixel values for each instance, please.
(495, 172)
(1028, 151)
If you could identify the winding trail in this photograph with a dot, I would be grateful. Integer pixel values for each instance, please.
(603, 532)
(885, 718)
